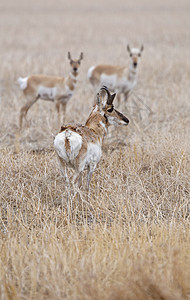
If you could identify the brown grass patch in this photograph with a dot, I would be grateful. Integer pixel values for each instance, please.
(130, 240)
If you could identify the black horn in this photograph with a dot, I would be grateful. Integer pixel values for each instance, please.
(110, 97)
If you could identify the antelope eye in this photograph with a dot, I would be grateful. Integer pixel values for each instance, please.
(110, 110)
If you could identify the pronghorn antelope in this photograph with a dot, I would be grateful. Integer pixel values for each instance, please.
(80, 146)
(119, 79)
(51, 88)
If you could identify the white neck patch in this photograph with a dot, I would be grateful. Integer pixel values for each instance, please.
(96, 108)
(72, 76)
(104, 126)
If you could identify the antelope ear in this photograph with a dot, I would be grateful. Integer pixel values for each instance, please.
(98, 102)
(69, 55)
(112, 97)
(142, 48)
(128, 48)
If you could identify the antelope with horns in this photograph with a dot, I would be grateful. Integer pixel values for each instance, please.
(51, 88)
(80, 146)
(119, 79)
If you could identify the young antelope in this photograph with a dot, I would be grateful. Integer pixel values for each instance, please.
(51, 88)
(119, 79)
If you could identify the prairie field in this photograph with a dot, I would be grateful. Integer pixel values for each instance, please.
(129, 239)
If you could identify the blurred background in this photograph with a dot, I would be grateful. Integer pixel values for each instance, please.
(36, 36)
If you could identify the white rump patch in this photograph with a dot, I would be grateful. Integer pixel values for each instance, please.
(90, 70)
(23, 82)
(75, 141)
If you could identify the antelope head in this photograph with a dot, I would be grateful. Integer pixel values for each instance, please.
(135, 54)
(106, 108)
(75, 63)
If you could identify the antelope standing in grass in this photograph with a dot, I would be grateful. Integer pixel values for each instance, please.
(120, 79)
(51, 88)
(80, 146)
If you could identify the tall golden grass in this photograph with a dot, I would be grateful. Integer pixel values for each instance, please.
(130, 238)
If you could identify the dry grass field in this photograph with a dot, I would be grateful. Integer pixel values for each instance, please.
(130, 240)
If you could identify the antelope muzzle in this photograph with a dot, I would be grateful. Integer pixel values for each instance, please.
(122, 117)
